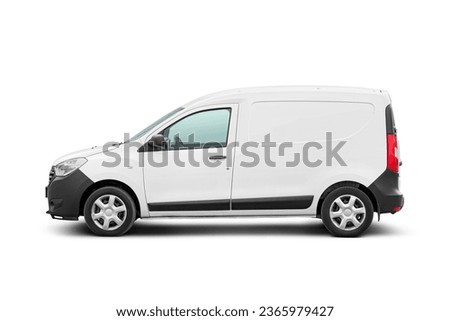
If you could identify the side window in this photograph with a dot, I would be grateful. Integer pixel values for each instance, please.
(199, 130)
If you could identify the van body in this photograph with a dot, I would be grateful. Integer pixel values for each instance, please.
(325, 152)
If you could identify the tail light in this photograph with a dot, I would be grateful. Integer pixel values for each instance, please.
(392, 153)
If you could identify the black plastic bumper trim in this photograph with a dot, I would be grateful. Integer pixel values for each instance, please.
(386, 192)
(64, 195)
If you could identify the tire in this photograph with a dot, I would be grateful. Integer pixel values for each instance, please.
(347, 212)
(109, 211)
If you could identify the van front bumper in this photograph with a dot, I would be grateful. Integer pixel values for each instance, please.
(387, 193)
(64, 195)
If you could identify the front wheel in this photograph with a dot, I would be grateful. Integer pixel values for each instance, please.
(109, 211)
(347, 211)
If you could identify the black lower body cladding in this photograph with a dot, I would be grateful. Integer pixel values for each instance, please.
(263, 203)
(386, 191)
(64, 195)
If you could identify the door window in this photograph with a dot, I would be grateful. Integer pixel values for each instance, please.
(203, 129)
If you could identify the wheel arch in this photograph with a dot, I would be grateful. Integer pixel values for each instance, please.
(109, 182)
(357, 185)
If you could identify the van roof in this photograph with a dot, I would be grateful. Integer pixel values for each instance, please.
(293, 92)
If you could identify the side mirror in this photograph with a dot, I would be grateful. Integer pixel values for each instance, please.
(156, 142)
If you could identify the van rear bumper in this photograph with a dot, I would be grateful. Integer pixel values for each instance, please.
(387, 193)
(391, 204)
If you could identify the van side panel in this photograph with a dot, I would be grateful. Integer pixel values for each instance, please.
(302, 134)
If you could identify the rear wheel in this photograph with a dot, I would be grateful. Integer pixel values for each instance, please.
(109, 211)
(347, 211)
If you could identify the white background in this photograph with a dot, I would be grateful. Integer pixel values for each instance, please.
(74, 74)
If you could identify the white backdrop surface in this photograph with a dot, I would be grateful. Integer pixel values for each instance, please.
(78, 74)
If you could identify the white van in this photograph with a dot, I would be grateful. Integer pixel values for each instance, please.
(324, 152)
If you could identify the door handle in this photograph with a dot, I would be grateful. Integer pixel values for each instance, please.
(217, 157)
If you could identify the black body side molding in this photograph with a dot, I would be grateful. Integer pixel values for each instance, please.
(264, 203)
(273, 203)
(213, 205)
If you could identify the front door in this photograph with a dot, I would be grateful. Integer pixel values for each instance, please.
(192, 174)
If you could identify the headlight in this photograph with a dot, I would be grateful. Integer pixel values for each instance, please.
(68, 166)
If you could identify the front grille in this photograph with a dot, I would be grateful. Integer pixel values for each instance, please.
(52, 174)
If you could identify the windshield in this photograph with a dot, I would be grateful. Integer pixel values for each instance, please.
(156, 123)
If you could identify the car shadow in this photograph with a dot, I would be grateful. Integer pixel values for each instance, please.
(174, 228)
